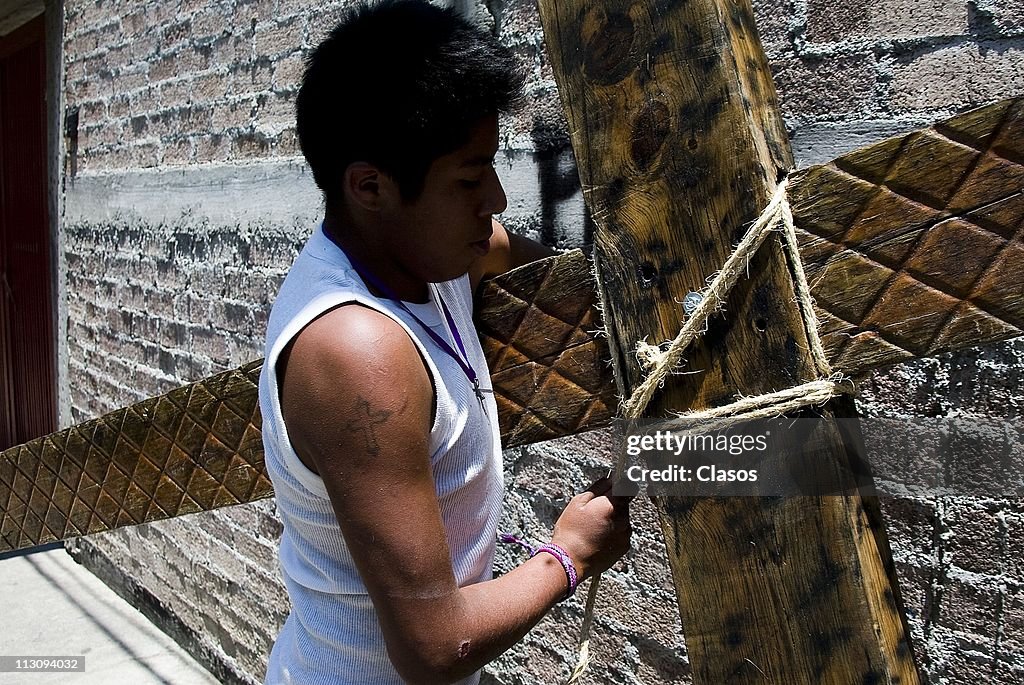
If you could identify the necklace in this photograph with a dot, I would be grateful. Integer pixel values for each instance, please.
(461, 359)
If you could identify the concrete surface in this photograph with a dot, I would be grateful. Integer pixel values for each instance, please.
(54, 607)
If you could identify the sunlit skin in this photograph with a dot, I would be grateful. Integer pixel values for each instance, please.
(358, 404)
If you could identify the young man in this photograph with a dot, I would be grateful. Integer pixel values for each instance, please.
(379, 427)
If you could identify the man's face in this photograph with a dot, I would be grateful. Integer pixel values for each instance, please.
(442, 232)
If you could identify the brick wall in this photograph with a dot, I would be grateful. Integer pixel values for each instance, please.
(152, 306)
(188, 206)
(172, 83)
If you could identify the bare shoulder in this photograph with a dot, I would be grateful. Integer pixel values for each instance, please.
(348, 377)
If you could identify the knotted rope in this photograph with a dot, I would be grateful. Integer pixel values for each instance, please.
(660, 363)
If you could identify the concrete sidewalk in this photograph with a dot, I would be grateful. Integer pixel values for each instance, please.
(52, 606)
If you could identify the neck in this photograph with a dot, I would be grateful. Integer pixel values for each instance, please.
(372, 255)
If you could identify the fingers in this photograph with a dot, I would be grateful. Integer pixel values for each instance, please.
(601, 486)
(595, 526)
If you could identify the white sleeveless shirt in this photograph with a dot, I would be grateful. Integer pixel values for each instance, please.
(332, 635)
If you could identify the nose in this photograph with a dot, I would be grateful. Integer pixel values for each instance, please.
(496, 201)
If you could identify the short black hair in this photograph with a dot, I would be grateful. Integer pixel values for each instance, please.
(397, 84)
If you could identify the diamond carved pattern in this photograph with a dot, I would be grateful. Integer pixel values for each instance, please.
(537, 326)
(138, 464)
(932, 259)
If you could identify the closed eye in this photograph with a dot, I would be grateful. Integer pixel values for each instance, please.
(469, 184)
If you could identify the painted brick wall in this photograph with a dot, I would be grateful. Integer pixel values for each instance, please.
(189, 205)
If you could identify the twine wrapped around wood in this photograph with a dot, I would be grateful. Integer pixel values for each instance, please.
(660, 363)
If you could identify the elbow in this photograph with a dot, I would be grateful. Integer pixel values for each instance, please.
(435, 662)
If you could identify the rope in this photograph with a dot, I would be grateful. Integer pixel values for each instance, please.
(660, 363)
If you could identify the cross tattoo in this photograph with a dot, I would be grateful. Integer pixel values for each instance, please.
(364, 421)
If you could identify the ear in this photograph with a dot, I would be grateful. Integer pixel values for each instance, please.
(366, 186)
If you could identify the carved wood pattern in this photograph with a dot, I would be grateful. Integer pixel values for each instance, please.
(194, 449)
(548, 367)
(914, 245)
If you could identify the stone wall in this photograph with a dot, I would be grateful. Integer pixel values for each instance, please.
(185, 204)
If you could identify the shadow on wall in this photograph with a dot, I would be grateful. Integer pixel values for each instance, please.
(557, 178)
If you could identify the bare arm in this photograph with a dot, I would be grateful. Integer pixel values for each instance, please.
(508, 250)
(357, 401)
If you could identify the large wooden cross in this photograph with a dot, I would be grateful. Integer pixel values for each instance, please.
(913, 247)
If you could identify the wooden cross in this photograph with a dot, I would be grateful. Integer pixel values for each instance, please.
(913, 247)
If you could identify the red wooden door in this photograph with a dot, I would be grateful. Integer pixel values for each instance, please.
(27, 362)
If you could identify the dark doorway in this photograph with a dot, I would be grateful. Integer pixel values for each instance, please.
(27, 363)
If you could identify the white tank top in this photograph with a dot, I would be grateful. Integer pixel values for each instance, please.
(332, 635)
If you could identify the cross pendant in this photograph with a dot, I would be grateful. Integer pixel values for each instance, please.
(479, 392)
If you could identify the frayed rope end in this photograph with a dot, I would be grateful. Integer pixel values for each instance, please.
(581, 664)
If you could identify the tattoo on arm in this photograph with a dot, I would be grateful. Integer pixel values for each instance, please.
(364, 422)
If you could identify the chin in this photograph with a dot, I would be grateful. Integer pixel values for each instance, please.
(449, 273)
(458, 274)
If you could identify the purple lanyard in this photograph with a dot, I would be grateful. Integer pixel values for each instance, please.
(463, 361)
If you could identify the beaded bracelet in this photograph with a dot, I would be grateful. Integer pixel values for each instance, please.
(554, 550)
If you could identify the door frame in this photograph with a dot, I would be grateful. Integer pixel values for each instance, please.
(49, 28)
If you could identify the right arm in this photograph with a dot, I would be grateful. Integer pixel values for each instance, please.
(357, 400)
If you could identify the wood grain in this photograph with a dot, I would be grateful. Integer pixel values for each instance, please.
(679, 144)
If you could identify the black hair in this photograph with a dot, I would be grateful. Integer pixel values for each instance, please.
(397, 84)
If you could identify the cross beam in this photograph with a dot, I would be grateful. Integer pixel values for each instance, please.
(198, 447)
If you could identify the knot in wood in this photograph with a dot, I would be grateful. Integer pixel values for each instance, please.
(651, 129)
(607, 45)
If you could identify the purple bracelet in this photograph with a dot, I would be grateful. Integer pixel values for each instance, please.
(566, 561)
(554, 550)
